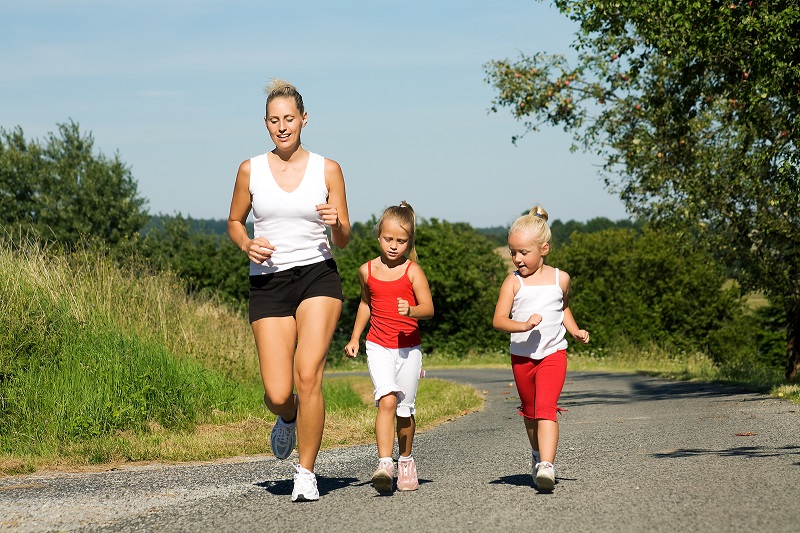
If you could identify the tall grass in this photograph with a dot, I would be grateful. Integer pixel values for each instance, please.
(88, 348)
(107, 361)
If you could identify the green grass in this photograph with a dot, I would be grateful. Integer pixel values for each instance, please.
(103, 364)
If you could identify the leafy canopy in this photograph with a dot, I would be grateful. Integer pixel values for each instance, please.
(693, 104)
(64, 192)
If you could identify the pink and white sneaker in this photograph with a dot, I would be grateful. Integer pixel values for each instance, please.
(544, 476)
(383, 478)
(407, 474)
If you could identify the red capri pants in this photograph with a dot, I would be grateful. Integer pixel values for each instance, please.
(539, 383)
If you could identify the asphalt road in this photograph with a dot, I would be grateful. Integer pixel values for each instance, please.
(636, 454)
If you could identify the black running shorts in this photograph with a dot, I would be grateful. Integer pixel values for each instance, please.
(279, 294)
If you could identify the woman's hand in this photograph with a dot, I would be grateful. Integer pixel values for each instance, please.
(259, 250)
(329, 214)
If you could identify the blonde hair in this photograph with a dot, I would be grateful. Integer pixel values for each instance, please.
(533, 223)
(403, 214)
(278, 88)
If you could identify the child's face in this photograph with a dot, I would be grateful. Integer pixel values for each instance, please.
(527, 255)
(393, 239)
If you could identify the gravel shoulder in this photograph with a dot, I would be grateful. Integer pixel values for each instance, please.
(636, 454)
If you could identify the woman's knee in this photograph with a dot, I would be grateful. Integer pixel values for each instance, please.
(278, 402)
(308, 382)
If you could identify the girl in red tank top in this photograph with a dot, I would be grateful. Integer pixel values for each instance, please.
(394, 296)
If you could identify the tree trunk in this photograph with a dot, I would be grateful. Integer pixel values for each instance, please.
(792, 346)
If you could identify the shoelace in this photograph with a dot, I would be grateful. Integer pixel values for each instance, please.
(284, 435)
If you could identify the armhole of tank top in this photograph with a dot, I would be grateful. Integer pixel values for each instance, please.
(519, 278)
(369, 269)
(410, 262)
(557, 283)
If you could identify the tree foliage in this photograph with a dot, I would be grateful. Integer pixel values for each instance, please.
(693, 105)
(647, 288)
(208, 261)
(464, 275)
(63, 191)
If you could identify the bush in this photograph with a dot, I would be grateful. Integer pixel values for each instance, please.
(649, 289)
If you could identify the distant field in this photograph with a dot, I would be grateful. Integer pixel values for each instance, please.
(502, 251)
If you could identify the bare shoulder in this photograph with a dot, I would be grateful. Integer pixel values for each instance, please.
(415, 270)
(510, 281)
(332, 167)
(364, 268)
(563, 280)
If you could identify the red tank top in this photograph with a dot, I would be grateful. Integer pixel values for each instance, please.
(387, 327)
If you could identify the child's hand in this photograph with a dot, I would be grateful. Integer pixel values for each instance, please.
(351, 350)
(533, 321)
(582, 336)
(403, 308)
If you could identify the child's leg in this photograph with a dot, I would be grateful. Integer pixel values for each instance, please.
(381, 363)
(547, 435)
(384, 424)
(524, 369)
(551, 372)
(406, 426)
(409, 365)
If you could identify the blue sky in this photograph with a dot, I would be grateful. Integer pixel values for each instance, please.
(395, 92)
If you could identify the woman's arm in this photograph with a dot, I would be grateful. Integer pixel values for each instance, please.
(258, 250)
(334, 212)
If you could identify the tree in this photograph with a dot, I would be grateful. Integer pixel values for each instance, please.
(64, 192)
(694, 107)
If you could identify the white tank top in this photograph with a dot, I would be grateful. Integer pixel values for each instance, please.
(548, 337)
(289, 220)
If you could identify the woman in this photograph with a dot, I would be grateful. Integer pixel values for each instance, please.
(295, 289)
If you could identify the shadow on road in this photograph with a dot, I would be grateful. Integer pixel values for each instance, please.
(641, 391)
(747, 451)
(325, 485)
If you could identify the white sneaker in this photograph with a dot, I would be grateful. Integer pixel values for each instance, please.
(544, 476)
(305, 485)
(282, 438)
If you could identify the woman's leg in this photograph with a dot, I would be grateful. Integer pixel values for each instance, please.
(316, 321)
(276, 338)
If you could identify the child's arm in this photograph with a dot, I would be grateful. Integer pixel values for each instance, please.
(422, 292)
(501, 320)
(580, 335)
(362, 316)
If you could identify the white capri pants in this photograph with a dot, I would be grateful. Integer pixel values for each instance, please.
(395, 370)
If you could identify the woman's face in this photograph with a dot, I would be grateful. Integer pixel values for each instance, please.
(284, 122)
